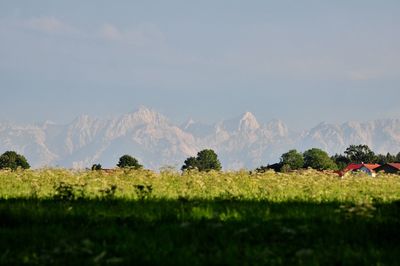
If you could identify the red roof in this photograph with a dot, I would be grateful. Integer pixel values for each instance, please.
(395, 165)
(352, 166)
(370, 166)
(356, 166)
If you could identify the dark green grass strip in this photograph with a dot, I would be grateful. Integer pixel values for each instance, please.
(162, 232)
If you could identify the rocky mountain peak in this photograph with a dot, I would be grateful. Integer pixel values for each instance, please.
(145, 115)
(149, 136)
(82, 121)
(248, 122)
(278, 128)
(188, 124)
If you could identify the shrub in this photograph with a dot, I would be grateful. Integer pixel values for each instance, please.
(206, 160)
(96, 167)
(127, 161)
(13, 160)
(318, 159)
(292, 159)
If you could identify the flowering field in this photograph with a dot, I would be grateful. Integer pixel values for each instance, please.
(307, 185)
(54, 216)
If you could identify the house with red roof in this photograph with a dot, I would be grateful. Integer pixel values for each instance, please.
(367, 168)
(390, 168)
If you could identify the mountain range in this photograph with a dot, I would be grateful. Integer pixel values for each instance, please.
(149, 136)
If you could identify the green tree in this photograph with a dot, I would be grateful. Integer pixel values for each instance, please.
(397, 160)
(189, 164)
(96, 167)
(340, 160)
(384, 159)
(318, 159)
(360, 154)
(206, 160)
(277, 167)
(292, 159)
(13, 160)
(390, 158)
(127, 161)
(381, 159)
(285, 168)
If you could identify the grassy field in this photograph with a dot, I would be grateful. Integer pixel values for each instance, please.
(56, 216)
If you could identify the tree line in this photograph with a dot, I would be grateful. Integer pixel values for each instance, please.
(207, 160)
(320, 160)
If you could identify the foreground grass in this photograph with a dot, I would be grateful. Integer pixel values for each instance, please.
(198, 233)
(304, 218)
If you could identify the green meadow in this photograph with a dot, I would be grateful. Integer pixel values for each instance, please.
(139, 217)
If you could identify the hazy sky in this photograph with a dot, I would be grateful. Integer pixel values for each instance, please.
(301, 61)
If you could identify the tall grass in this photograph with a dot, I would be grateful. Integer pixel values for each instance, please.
(307, 185)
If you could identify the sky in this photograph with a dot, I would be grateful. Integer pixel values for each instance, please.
(300, 61)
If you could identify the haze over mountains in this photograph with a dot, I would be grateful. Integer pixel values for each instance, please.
(241, 142)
